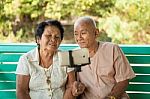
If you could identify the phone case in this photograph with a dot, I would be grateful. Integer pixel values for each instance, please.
(79, 57)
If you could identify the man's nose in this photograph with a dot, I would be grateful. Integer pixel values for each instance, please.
(79, 36)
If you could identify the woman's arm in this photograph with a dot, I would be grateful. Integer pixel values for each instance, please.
(73, 88)
(69, 84)
(22, 86)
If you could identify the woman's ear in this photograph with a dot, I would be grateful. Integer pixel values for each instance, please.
(38, 40)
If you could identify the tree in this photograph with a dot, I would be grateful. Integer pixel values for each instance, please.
(20, 17)
(129, 22)
(129, 19)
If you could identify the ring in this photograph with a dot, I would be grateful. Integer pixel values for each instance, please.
(76, 93)
(76, 90)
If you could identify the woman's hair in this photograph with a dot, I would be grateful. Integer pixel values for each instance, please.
(41, 26)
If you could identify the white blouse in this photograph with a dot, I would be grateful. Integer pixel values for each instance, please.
(39, 89)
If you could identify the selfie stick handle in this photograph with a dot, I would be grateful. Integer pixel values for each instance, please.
(77, 69)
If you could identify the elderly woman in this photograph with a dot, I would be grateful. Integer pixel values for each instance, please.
(39, 74)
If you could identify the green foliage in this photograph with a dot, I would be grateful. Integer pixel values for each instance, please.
(120, 31)
(133, 23)
(137, 10)
(19, 17)
(103, 36)
(124, 21)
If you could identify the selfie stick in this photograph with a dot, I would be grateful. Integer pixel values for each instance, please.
(77, 68)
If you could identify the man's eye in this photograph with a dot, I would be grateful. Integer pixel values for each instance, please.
(83, 32)
(75, 34)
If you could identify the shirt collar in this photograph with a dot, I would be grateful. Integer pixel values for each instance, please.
(35, 55)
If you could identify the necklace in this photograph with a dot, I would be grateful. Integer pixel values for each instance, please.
(48, 74)
(48, 77)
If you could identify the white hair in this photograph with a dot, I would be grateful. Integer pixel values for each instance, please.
(85, 19)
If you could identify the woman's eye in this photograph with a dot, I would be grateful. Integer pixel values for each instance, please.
(57, 36)
(50, 35)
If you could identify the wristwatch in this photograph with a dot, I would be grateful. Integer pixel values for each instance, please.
(111, 97)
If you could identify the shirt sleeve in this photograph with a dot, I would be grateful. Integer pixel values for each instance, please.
(122, 66)
(23, 66)
(69, 69)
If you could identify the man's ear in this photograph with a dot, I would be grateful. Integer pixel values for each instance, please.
(97, 32)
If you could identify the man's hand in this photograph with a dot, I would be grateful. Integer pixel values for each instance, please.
(77, 88)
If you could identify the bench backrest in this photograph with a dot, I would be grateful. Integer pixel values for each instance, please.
(138, 56)
(9, 56)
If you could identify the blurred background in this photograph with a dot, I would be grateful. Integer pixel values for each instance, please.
(120, 21)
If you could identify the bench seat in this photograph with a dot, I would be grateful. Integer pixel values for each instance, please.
(138, 56)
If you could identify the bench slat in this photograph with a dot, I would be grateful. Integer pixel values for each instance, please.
(139, 59)
(139, 87)
(7, 85)
(12, 77)
(9, 57)
(7, 94)
(136, 49)
(65, 48)
(16, 48)
(139, 96)
(7, 77)
(8, 67)
(132, 59)
(141, 78)
(127, 49)
(141, 69)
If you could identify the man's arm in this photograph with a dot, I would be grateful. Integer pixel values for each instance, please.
(119, 89)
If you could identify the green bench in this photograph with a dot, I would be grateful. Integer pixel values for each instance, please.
(138, 56)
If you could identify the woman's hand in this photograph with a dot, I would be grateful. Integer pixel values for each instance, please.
(77, 88)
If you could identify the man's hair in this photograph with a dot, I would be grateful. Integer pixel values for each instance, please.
(85, 19)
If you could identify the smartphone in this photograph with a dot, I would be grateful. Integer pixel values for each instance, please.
(74, 58)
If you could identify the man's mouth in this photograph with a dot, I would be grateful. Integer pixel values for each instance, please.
(81, 42)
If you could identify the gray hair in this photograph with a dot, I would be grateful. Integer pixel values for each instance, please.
(85, 19)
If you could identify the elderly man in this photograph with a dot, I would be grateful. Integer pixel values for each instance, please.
(108, 74)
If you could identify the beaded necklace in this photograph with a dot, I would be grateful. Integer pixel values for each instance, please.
(48, 73)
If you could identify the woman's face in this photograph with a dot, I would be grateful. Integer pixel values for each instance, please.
(51, 38)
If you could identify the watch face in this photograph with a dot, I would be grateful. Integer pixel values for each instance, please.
(112, 97)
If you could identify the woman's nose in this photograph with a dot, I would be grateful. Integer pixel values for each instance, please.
(53, 39)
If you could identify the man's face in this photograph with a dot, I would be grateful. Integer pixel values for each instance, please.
(85, 34)
(51, 38)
